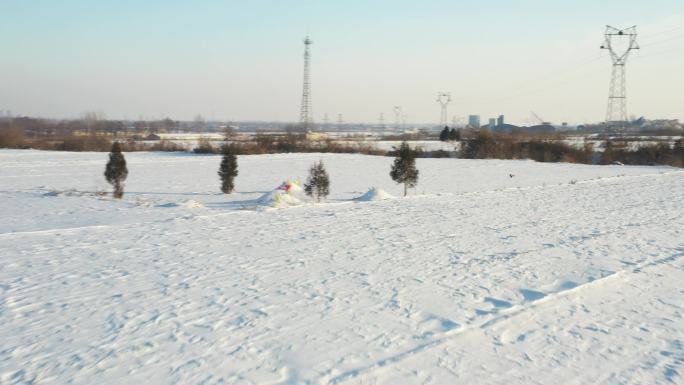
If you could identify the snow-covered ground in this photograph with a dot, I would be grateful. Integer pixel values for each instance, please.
(561, 274)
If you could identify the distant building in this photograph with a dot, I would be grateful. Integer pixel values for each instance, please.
(541, 128)
(500, 121)
(474, 121)
(505, 128)
(492, 122)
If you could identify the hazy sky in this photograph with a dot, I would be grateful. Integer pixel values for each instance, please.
(242, 60)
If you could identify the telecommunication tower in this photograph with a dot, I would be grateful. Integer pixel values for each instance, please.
(443, 98)
(619, 42)
(305, 115)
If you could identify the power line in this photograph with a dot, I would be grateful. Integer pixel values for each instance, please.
(663, 32)
(658, 42)
(533, 85)
(648, 55)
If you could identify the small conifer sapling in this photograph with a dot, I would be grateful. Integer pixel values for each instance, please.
(116, 171)
(228, 170)
(444, 135)
(318, 183)
(404, 167)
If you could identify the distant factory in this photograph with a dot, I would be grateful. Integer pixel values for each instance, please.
(499, 124)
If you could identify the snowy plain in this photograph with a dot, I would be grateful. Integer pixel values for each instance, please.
(560, 274)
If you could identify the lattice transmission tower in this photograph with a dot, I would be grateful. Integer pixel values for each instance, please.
(398, 111)
(306, 112)
(443, 98)
(619, 42)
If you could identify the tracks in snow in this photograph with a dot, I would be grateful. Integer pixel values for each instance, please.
(503, 316)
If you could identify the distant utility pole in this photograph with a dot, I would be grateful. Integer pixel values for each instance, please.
(381, 121)
(616, 113)
(340, 121)
(443, 98)
(326, 119)
(305, 115)
(397, 116)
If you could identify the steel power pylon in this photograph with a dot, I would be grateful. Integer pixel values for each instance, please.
(397, 117)
(443, 98)
(625, 39)
(305, 115)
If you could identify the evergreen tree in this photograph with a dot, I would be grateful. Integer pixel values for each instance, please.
(444, 135)
(404, 167)
(318, 183)
(228, 170)
(116, 171)
(454, 135)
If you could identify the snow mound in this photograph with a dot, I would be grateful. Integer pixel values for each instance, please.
(374, 194)
(193, 204)
(278, 199)
(286, 195)
(189, 204)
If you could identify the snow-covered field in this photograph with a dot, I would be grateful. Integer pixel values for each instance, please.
(561, 274)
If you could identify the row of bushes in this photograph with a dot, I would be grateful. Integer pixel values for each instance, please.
(14, 139)
(646, 155)
(265, 144)
(482, 145)
(487, 145)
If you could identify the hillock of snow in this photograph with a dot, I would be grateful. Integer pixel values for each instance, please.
(288, 194)
(374, 194)
(193, 204)
(189, 204)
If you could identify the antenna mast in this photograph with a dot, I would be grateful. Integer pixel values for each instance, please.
(305, 115)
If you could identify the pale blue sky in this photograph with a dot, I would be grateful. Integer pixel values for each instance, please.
(242, 60)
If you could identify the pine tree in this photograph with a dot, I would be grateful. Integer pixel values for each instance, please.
(318, 183)
(228, 170)
(116, 171)
(404, 167)
(454, 135)
(444, 135)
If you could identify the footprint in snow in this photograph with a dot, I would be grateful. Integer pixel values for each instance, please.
(532, 295)
(498, 303)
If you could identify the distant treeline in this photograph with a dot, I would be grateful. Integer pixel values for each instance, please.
(81, 135)
(486, 145)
